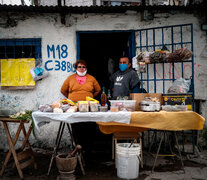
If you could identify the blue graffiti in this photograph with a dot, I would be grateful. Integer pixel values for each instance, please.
(46, 67)
(52, 49)
(61, 52)
(59, 65)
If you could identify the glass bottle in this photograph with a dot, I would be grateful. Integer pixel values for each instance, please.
(109, 98)
(103, 97)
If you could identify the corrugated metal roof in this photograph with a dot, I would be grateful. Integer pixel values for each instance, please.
(97, 9)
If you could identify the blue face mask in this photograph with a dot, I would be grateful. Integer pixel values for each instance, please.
(123, 67)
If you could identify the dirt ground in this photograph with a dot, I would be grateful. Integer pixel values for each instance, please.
(98, 166)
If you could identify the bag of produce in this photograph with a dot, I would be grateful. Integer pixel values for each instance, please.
(180, 86)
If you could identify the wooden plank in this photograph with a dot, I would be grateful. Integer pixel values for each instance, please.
(24, 154)
(7, 119)
(26, 163)
(14, 142)
(134, 1)
(126, 135)
(17, 87)
(26, 135)
(12, 149)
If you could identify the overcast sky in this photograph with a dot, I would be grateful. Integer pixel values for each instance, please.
(15, 2)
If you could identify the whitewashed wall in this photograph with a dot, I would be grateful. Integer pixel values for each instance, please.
(52, 32)
(69, 2)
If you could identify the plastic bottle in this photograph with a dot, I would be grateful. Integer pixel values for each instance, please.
(106, 105)
(103, 97)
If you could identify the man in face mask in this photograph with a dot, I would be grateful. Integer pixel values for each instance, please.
(125, 80)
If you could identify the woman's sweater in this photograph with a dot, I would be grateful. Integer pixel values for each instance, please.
(78, 92)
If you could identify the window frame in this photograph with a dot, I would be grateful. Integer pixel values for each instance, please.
(22, 42)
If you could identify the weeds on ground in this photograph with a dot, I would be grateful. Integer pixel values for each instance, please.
(203, 139)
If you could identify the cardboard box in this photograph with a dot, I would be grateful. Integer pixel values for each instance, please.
(141, 96)
(178, 99)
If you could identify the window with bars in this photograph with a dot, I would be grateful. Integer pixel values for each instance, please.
(20, 48)
(17, 57)
(160, 75)
(121, 2)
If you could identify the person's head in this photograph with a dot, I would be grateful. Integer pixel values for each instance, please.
(81, 67)
(124, 63)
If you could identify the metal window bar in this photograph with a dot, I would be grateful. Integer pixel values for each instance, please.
(171, 43)
(11, 48)
(155, 45)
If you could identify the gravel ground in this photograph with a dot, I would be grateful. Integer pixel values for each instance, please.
(99, 166)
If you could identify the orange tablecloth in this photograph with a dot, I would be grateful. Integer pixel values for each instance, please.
(141, 121)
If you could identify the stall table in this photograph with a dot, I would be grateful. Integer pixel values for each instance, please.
(112, 122)
(163, 120)
(24, 154)
(68, 118)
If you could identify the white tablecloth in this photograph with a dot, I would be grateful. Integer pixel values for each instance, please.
(42, 117)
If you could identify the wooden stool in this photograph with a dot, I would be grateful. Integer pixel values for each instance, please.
(126, 136)
(25, 155)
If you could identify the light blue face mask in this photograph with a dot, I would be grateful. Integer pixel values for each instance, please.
(123, 67)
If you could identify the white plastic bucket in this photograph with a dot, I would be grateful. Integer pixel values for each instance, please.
(128, 160)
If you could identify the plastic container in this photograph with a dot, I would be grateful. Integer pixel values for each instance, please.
(174, 107)
(124, 105)
(128, 160)
(83, 106)
(150, 106)
(93, 106)
(103, 108)
(114, 109)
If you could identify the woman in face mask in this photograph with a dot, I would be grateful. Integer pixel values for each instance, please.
(79, 85)
(125, 80)
(76, 87)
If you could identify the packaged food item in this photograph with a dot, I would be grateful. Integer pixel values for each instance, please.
(178, 99)
(181, 108)
(103, 108)
(142, 67)
(144, 57)
(83, 106)
(91, 99)
(174, 107)
(67, 101)
(72, 109)
(114, 109)
(150, 104)
(93, 106)
(166, 108)
(57, 110)
(156, 56)
(46, 108)
(65, 107)
(56, 104)
(124, 105)
(183, 54)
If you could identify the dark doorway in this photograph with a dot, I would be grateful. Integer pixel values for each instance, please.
(102, 51)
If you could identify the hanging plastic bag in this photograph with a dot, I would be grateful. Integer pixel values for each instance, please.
(183, 54)
(34, 72)
(144, 57)
(180, 86)
(38, 72)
